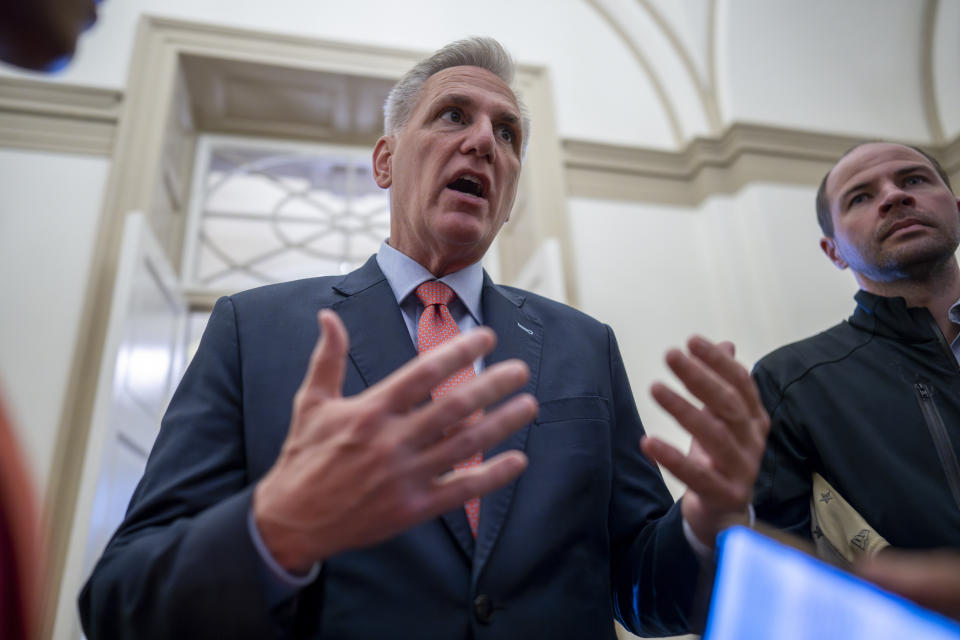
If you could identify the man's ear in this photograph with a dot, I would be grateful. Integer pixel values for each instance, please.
(829, 246)
(383, 162)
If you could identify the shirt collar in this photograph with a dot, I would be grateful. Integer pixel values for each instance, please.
(405, 274)
(954, 313)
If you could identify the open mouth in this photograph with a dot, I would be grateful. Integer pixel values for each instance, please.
(468, 185)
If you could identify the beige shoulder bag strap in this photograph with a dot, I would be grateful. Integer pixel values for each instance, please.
(839, 532)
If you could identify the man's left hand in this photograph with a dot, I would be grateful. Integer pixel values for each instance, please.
(729, 435)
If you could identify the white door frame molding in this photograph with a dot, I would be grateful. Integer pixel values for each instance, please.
(142, 362)
(49, 116)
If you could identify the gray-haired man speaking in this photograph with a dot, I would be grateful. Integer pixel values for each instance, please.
(341, 505)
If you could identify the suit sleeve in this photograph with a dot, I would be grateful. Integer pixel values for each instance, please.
(654, 572)
(182, 563)
(784, 483)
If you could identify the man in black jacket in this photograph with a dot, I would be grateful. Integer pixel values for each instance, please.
(872, 405)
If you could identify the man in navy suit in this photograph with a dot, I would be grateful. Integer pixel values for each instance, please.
(326, 507)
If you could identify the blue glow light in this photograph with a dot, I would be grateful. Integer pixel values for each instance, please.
(59, 64)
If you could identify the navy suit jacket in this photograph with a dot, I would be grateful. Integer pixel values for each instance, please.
(587, 533)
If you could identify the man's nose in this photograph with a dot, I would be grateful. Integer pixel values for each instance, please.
(894, 196)
(480, 139)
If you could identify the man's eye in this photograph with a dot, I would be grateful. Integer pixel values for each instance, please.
(452, 115)
(857, 199)
(911, 180)
(506, 134)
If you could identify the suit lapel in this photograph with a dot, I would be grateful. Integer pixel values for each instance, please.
(519, 335)
(379, 342)
(456, 522)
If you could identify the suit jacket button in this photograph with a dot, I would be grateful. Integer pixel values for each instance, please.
(483, 608)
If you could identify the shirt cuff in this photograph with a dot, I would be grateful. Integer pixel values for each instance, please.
(703, 551)
(281, 584)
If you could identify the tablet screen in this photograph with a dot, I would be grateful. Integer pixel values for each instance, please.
(767, 590)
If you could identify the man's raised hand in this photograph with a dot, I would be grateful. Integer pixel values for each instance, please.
(729, 434)
(355, 471)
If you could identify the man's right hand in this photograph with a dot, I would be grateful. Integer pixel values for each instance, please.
(355, 471)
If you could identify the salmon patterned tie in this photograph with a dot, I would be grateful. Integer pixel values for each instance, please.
(436, 326)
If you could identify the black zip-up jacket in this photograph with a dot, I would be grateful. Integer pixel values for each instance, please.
(873, 405)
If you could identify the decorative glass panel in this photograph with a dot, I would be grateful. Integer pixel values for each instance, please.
(270, 212)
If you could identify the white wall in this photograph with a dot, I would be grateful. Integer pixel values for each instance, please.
(839, 67)
(946, 56)
(847, 67)
(745, 268)
(49, 205)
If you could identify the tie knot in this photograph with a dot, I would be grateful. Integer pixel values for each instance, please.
(434, 292)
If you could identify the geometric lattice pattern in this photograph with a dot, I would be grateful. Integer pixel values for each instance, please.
(267, 215)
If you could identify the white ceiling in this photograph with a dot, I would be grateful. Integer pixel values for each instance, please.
(649, 73)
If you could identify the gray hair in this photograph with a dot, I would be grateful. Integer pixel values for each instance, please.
(485, 53)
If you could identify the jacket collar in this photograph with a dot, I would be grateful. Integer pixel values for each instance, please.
(364, 277)
(519, 335)
(892, 318)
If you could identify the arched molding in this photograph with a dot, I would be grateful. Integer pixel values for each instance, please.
(641, 58)
(706, 87)
(927, 41)
(714, 96)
